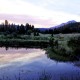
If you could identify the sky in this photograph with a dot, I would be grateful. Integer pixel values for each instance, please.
(40, 13)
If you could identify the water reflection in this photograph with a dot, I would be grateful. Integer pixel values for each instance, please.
(21, 54)
(33, 64)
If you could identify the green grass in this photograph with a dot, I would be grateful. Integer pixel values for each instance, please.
(60, 55)
(60, 50)
(68, 49)
(23, 41)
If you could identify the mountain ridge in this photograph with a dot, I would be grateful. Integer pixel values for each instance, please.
(62, 24)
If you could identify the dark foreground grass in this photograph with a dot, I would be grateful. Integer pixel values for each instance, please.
(23, 43)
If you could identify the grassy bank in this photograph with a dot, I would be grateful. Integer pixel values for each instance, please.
(61, 47)
(59, 55)
(23, 41)
(67, 49)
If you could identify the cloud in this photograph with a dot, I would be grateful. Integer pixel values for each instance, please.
(22, 11)
(27, 19)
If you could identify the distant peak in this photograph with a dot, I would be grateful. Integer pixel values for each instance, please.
(72, 21)
(66, 23)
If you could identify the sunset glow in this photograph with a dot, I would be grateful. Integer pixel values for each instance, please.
(43, 13)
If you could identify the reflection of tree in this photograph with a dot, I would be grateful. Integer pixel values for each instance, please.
(74, 43)
(6, 48)
(77, 63)
(60, 55)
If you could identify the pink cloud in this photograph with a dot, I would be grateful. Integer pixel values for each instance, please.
(27, 19)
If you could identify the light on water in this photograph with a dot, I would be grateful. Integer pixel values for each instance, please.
(16, 55)
(33, 64)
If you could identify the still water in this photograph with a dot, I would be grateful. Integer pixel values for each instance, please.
(33, 64)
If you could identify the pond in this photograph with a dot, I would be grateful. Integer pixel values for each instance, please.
(33, 64)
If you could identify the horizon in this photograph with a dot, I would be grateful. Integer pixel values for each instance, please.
(41, 14)
(10, 23)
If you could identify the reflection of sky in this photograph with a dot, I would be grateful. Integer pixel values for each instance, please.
(41, 13)
(29, 67)
(14, 55)
(16, 50)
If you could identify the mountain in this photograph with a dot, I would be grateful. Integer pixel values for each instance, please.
(63, 24)
(72, 21)
(68, 27)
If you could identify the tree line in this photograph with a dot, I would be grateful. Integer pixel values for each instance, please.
(28, 29)
(68, 28)
(18, 29)
(64, 29)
